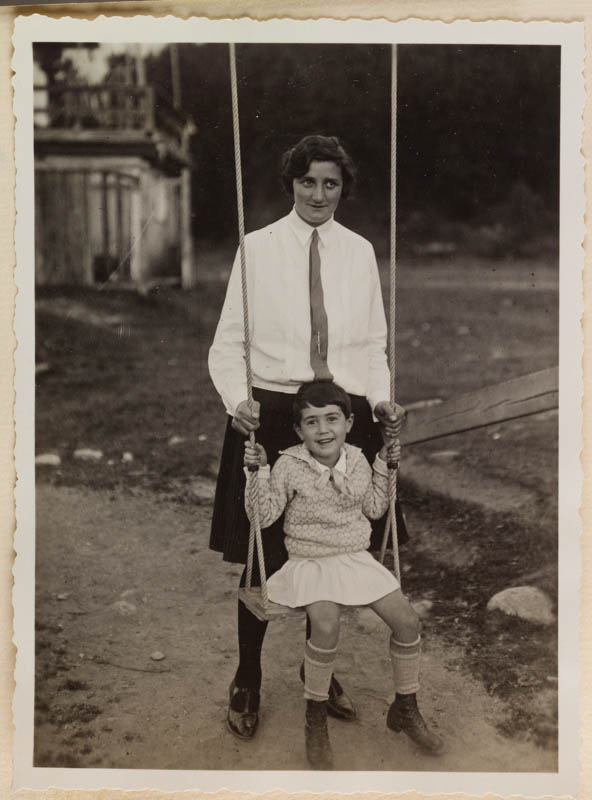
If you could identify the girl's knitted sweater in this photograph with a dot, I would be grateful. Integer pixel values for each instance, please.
(326, 513)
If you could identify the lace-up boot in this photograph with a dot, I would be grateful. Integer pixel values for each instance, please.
(318, 747)
(404, 715)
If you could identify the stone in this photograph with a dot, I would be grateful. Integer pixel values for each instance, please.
(124, 608)
(422, 608)
(526, 602)
(203, 490)
(127, 457)
(88, 454)
(42, 368)
(63, 596)
(48, 459)
(444, 455)
(157, 655)
(176, 440)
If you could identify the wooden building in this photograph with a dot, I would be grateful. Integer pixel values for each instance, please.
(112, 183)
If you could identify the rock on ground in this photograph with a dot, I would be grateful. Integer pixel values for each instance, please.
(48, 459)
(88, 454)
(526, 602)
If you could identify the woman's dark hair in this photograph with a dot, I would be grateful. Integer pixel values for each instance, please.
(318, 394)
(297, 160)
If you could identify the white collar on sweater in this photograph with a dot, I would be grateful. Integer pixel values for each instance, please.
(349, 452)
(338, 473)
(341, 465)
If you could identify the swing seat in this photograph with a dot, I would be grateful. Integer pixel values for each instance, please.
(267, 612)
(251, 598)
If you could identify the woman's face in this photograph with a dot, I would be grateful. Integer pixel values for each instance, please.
(316, 194)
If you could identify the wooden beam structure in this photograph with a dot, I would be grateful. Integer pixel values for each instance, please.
(520, 397)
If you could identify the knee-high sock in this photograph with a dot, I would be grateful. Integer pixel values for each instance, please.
(251, 632)
(318, 668)
(405, 663)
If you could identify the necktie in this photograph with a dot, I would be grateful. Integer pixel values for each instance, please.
(319, 336)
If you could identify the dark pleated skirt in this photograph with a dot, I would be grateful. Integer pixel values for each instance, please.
(230, 524)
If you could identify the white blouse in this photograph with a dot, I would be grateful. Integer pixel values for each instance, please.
(279, 314)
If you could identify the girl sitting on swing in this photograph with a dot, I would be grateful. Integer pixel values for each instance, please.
(329, 492)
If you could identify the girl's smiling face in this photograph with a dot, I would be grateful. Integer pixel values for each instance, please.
(323, 431)
(317, 193)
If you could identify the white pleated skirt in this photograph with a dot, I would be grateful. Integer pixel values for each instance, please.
(350, 579)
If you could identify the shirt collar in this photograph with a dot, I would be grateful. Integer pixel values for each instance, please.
(341, 465)
(304, 231)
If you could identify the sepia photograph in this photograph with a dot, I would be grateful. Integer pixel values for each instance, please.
(296, 492)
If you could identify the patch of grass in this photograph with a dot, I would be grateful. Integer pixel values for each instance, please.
(512, 658)
(76, 712)
(85, 733)
(74, 686)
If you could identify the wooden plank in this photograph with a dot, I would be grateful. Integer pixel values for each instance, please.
(87, 269)
(267, 612)
(72, 189)
(60, 267)
(79, 239)
(136, 233)
(251, 598)
(188, 266)
(119, 218)
(520, 397)
(105, 213)
(66, 232)
(125, 226)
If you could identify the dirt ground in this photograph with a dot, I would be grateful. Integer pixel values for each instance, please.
(123, 571)
(129, 576)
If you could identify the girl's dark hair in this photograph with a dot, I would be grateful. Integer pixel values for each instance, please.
(297, 160)
(318, 394)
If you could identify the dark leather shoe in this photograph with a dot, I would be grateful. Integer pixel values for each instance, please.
(318, 747)
(243, 711)
(339, 704)
(403, 715)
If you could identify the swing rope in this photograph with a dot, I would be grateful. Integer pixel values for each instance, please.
(255, 534)
(391, 522)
